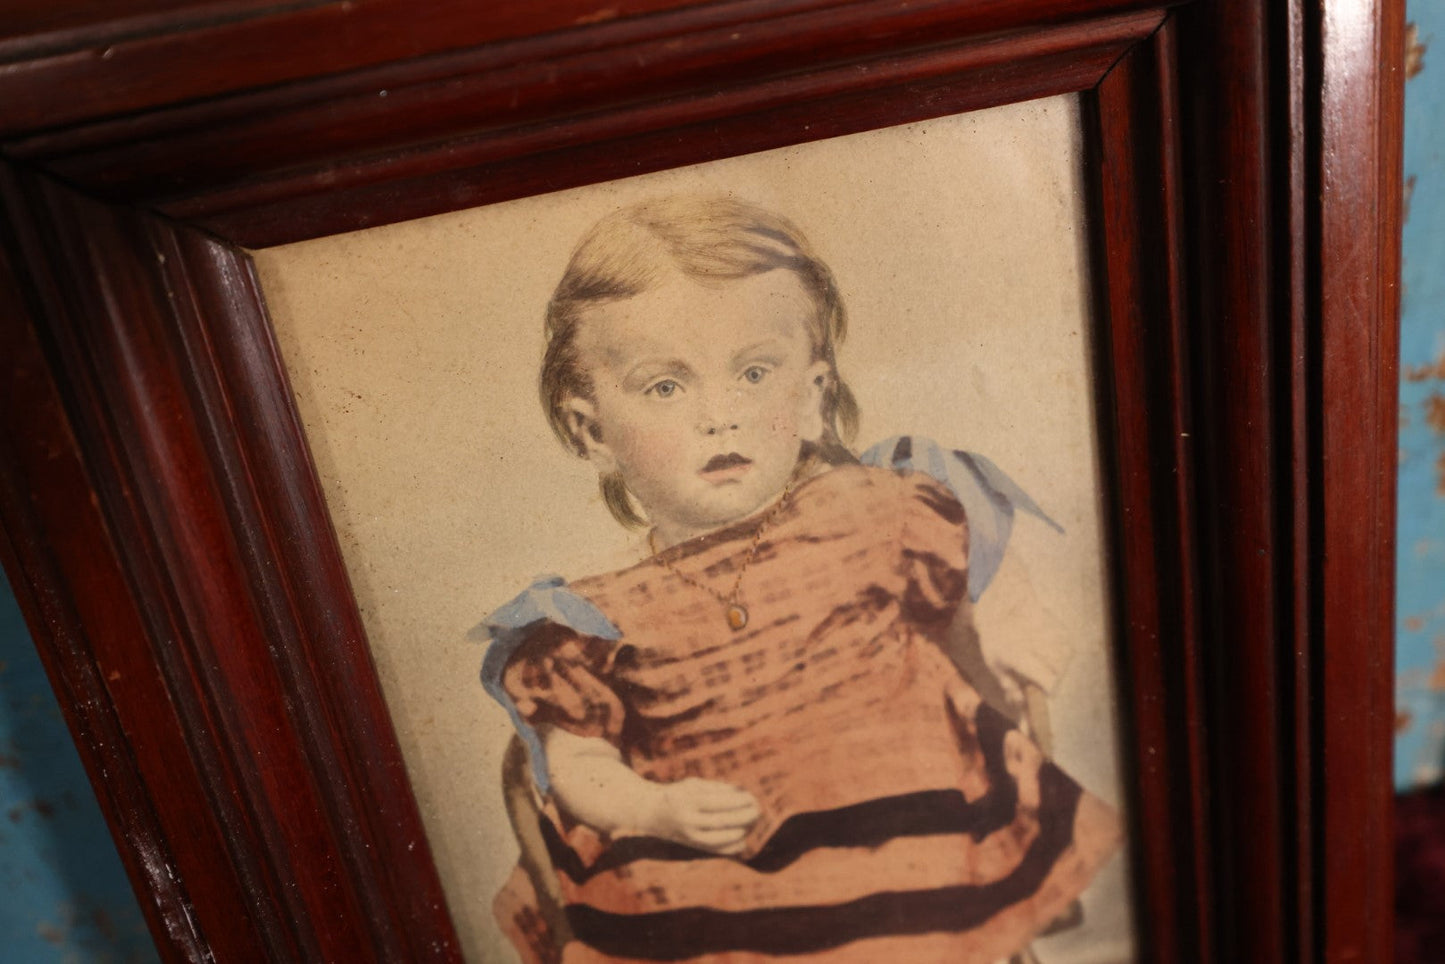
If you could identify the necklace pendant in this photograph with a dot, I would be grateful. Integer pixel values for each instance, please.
(737, 616)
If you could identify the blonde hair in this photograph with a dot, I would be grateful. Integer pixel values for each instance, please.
(707, 238)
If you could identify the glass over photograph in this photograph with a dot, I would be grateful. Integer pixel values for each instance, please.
(731, 547)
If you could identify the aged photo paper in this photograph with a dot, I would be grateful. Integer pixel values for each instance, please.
(957, 664)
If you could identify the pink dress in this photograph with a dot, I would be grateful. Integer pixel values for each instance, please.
(903, 819)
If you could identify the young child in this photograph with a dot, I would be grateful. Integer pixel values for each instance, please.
(751, 745)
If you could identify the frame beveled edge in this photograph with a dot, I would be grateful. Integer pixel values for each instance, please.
(1138, 253)
(73, 587)
(208, 50)
(1234, 58)
(448, 132)
(1358, 166)
(1293, 125)
(299, 580)
(88, 582)
(263, 794)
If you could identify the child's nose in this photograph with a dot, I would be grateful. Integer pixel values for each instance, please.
(717, 413)
(717, 426)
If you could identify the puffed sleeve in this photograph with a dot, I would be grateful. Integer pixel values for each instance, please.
(989, 497)
(548, 652)
(558, 678)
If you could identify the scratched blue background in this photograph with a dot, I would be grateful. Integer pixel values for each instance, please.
(1420, 598)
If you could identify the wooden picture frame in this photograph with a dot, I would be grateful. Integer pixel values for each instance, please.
(167, 538)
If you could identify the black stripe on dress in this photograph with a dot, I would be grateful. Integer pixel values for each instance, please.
(693, 931)
(868, 824)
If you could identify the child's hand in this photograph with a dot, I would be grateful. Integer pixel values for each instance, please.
(705, 814)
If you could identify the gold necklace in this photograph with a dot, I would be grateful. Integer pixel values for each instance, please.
(734, 610)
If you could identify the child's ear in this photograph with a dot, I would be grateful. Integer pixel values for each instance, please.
(810, 422)
(586, 431)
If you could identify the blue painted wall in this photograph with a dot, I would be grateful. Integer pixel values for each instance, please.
(64, 897)
(1420, 599)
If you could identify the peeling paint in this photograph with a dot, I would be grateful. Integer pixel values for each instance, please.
(1420, 544)
(1424, 373)
(1435, 412)
(1414, 52)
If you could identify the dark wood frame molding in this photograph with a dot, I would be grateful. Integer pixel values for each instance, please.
(163, 527)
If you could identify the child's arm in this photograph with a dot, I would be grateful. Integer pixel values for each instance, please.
(596, 788)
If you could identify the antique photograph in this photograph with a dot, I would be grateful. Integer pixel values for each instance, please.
(731, 544)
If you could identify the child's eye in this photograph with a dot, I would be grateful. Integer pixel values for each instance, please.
(664, 389)
(754, 373)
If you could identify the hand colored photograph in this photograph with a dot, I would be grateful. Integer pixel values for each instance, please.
(731, 545)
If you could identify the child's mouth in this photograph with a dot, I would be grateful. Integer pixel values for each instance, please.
(721, 468)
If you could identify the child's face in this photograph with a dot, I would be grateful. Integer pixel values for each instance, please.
(702, 396)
